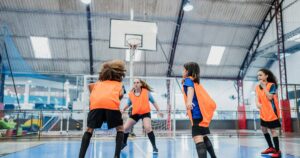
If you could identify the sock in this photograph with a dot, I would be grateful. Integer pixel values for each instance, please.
(201, 150)
(119, 142)
(276, 143)
(268, 139)
(209, 147)
(85, 142)
(151, 136)
(125, 138)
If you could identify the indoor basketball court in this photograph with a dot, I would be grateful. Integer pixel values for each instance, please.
(149, 78)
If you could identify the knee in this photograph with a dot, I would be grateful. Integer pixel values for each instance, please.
(90, 130)
(120, 128)
(198, 139)
(264, 130)
(148, 129)
(126, 129)
(275, 132)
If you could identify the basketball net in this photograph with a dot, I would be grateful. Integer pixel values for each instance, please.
(133, 44)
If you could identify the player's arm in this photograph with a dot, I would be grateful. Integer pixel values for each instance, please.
(258, 104)
(127, 105)
(189, 100)
(91, 86)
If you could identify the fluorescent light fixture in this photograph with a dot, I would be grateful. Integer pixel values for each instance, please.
(188, 6)
(86, 1)
(295, 38)
(215, 55)
(131, 14)
(40, 47)
(137, 55)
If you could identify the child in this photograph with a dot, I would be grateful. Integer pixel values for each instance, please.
(200, 109)
(139, 97)
(105, 104)
(267, 103)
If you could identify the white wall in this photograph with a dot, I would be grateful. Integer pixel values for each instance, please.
(291, 15)
(290, 19)
(220, 91)
(293, 68)
(291, 22)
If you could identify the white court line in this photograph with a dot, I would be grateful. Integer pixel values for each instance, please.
(140, 149)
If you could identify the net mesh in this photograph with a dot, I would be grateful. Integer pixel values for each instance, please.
(134, 43)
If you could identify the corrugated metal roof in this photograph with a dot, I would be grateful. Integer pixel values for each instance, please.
(228, 23)
(230, 11)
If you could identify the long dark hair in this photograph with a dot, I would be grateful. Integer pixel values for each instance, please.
(112, 70)
(193, 70)
(271, 77)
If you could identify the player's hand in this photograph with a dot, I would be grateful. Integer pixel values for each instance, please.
(259, 106)
(160, 114)
(262, 84)
(122, 111)
(189, 106)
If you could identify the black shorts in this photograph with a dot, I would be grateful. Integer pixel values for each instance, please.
(270, 124)
(198, 130)
(137, 117)
(96, 118)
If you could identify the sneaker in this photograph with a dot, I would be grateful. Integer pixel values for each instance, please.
(155, 150)
(132, 135)
(123, 146)
(268, 151)
(276, 154)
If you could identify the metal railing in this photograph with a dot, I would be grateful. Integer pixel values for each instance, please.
(70, 123)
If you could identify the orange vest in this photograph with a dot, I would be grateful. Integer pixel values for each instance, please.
(140, 104)
(206, 104)
(266, 111)
(105, 95)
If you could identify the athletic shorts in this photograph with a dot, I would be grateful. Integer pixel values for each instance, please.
(270, 124)
(199, 130)
(137, 117)
(96, 118)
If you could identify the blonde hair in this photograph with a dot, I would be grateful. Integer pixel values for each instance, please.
(145, 85)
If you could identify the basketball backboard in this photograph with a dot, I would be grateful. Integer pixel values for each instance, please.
(125, 32)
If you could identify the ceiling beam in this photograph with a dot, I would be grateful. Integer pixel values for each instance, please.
(175, 38)
(162, 42)
(138, 17)
(32, 59)
(90, 37)
(272, 45)
(252, 51)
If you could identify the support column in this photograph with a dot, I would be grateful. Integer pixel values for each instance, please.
(285, 103)
(26, 94)
(169, 106)
(2, 82)
(242, 122)
(49, 95)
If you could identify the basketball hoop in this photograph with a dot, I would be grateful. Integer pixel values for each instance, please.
(134, 43)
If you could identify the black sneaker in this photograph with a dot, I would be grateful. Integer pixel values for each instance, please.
(132, 135)
(123, 146)
(155, 150)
